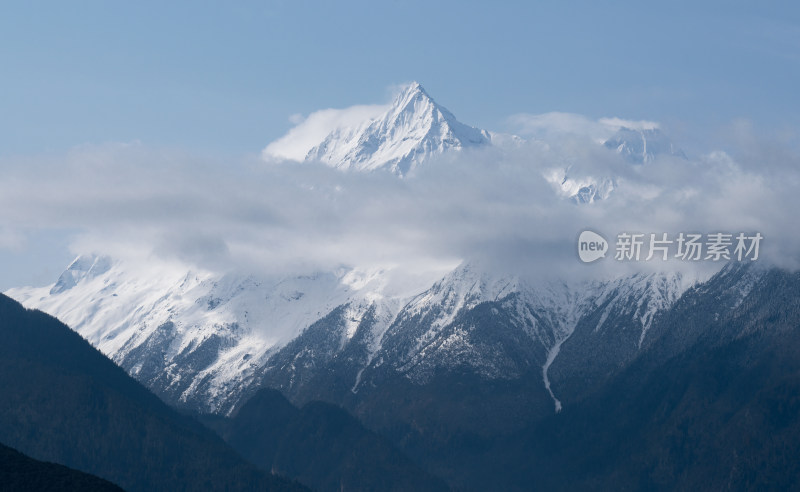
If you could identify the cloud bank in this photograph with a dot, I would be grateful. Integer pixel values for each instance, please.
(556, 125)
(494, 204)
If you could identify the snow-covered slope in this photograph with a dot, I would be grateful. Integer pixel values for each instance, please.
(414, 128)
(193, 336)
(475, 320)
(580, 189)
(443, 326)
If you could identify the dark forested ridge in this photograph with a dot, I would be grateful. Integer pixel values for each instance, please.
(715, 403)
(320, 445)
(712, 404)
(718, 419)
(20, 473)
(64, 402)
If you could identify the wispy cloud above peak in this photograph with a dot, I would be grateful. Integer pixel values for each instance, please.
(313, 129)
(555, 124)
(619, 123)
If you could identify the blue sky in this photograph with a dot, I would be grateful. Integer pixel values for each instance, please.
(222, 79)
(225, 77)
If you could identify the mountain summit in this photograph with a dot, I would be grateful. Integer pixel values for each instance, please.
(414, 128)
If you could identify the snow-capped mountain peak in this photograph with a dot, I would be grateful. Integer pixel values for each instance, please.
(414, 128)
(84, 266)
(641, 146)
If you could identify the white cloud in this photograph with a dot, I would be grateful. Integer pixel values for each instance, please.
(11, 239)
(296, 118)
(554, 125)
(617, 123)
(313, 130)
(494, 204)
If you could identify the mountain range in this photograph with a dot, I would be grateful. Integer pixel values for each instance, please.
(203, 340)
(473, 375)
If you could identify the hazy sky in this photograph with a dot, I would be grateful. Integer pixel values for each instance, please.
(219, 81)
(226, 76)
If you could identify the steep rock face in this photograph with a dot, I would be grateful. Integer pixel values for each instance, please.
(327, 359)
(413, 129)
(612, 331)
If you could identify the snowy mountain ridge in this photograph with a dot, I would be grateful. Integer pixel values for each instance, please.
(204, 340)
(195, 332)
